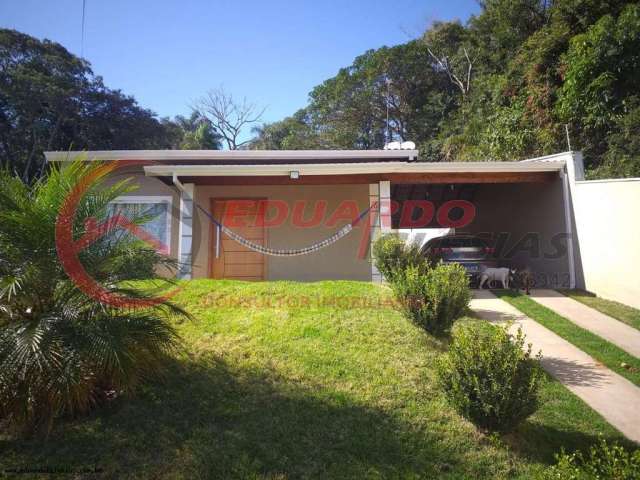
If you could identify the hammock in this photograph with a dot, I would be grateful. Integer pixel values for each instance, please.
(285, 252)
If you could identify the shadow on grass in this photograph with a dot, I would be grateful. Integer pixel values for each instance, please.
(208, 420)
(540, 443)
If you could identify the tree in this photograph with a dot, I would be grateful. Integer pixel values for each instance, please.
(196, 133)
(51, 100)
(449, 50)
(500, 87)
(602, 68)
(62, 351)
(389, 93)
(228, 116)
(293, 133)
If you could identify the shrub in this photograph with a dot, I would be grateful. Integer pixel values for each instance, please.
(432, 298)
(489, 378)
(62, 351)
(603, 461)
(391, 255)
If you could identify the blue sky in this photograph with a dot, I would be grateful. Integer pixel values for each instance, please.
(167, 53)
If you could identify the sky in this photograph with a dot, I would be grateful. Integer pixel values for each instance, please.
(167, 53)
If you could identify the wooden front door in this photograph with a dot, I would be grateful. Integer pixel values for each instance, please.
(234, 261)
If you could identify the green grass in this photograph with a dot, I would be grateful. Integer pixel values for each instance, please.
(279, 381)
(624, 313)
(600, 349)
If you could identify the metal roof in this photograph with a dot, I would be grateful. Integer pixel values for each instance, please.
(246, 156)
(306, 162)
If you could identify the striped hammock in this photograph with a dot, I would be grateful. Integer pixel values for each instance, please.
(285, 252)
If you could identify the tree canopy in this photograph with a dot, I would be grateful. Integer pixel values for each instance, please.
(506, 85)
(51, 100)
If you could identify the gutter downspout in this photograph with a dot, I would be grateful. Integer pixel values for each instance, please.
(179, 185)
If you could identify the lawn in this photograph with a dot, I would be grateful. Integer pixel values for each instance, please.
(624, 313)
(286, 380)
(610, 355)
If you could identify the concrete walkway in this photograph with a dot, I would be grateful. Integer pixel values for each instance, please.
(616, 332)
(609, 394)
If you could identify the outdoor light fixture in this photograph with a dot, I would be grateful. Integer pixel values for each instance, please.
(294, 174)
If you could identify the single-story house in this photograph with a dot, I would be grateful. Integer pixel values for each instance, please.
(292, 200)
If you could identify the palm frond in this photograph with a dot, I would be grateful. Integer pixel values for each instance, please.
(59, 347)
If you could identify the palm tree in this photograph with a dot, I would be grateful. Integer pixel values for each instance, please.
(62, 351)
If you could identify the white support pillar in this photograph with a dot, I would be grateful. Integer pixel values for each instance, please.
(185, 240)
(374, 226)
(385, 206)
(379, 219)
(574, 171)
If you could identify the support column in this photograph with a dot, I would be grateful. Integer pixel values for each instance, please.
(185, 232)
(385, 206)
(374, 226)
(379, 219)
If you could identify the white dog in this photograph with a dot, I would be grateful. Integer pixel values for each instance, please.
(501, 275)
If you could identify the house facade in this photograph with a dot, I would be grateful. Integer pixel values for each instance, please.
(290, 207)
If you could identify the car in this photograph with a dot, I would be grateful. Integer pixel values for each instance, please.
(470, 251)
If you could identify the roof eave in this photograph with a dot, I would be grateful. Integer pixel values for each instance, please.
(221, 155)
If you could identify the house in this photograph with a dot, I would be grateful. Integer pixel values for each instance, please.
(291, 201)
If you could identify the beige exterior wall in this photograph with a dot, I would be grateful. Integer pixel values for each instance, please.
(606, 214)
(337, 261)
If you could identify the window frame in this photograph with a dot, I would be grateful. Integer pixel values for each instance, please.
(151, 200)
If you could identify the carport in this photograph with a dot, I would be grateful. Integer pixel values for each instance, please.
(520, 208)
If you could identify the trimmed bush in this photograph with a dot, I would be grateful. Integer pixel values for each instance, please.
(603, 461)
(391, 255)
(489, 377)
(433, 298)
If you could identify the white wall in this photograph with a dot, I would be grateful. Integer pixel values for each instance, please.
(607, 218)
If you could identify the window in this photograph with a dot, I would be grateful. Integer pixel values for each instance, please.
(157, 208)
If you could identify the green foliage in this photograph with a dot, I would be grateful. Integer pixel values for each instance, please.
(622, 158)
(195, 133)
(603, 461)
(350, 110)
(292, 133)
(62, 351)
(51, 100)
(489, 377)
(433, 298)
(528, 67)
(602, 67)
(392, 255)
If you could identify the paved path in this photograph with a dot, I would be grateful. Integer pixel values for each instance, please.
(616, 332)
(612, 396)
